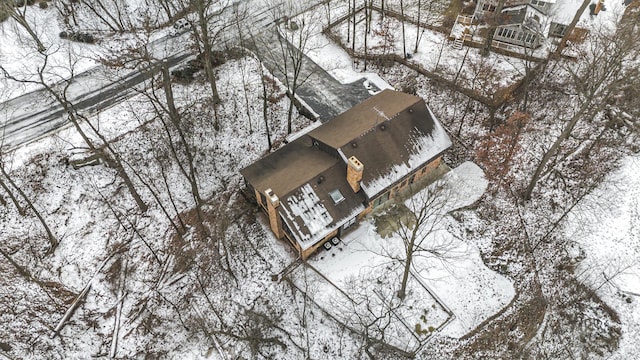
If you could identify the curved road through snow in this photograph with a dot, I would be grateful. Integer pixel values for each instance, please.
(35, 114)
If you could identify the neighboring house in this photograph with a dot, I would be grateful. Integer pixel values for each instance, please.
(527, 23)
(320, 185)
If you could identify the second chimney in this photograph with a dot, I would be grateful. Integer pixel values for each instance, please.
(272, 209)
(354, 173)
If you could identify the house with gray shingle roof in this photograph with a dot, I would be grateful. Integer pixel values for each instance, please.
(318, 186)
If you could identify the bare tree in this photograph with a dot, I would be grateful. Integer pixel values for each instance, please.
(287, 58)
(602, 72)
(369, 309)
(176, 120)
(18, 12)
(207, 10)
(572, 25)
(404, 37)
(103, 148)
(265, 104)
(497, 150)
(53, 241)
(493, 21)
(354, 23)
(418, 32)
(418, 225)
(113, 15)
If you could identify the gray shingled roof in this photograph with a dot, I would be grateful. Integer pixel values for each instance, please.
(391, 133)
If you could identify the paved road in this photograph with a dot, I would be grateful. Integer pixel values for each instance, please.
(34, 114)
(321, 91)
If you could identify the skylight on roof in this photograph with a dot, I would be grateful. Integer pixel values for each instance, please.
(336, 195)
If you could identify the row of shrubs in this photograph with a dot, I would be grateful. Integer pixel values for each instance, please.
(78, 36)
(217, 58)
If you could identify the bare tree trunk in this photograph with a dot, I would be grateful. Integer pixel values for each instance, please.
(464, 58)
(435, 68)
(15, 201)
(415, 50)
(265, 106)
(353, 40)
(170, 194)
(205, 38)
(24, 272)
(167, 7)
(495, 21)
(367, 19)
(110, 157)
(154, 193)
(554, 149)
(328, 3)
(348, 20)
(404, 40)
(572, 25)
(175, 119)
(53, 241)
(104, 15)
(20, 18)
(407, 265)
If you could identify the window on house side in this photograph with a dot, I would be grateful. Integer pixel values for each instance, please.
(380, 200)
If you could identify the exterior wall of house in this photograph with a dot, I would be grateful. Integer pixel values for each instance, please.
(400, 186)
(543, 6)
(485, 6)
(308, 252)
(289, 237)
(489, 6)
(557, 29)
(515, 35)
(325, 148)
(426, 170)
(260, 199)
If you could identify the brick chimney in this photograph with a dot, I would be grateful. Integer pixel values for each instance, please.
(598, 7)
(354, 173)
(272, 209)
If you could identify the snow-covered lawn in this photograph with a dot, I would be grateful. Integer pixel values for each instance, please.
(462, 284)
(332, 58)
(435, 53)
(74, 203)
(607, 229)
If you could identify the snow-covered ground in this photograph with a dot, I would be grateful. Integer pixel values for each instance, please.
(607, 228)
(20, 57)
(435, 53)
(607, 231)
(331, 57)
(461, 283)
